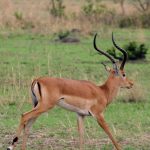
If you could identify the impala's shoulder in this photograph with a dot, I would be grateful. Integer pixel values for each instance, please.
(89, 84)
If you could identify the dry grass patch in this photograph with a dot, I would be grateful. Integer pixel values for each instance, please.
(136, 94)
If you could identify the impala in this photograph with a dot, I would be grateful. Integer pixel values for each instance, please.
(82, 97)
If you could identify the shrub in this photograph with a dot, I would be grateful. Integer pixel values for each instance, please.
(134, 51)
(127, 21)
(57, 9)
(63, 34)
(68, 36)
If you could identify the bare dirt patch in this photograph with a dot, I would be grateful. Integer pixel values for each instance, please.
(39, 140)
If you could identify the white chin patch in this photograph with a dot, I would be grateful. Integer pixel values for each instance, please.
(10, 148)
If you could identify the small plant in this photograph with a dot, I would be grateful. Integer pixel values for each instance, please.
(67, 37)
(18, 15)
(63, 34)
(134, 51)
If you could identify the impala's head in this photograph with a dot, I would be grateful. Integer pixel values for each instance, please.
(117, 73)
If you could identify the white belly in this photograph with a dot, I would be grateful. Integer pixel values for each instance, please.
(67, 106)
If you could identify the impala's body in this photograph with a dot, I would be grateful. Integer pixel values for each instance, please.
(77, 95)
(74, 95)
(83, 97)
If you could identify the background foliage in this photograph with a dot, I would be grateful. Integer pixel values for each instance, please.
(85, 15)
(135, 51)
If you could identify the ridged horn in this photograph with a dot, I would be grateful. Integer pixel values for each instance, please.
(121, 50)
(103, 52)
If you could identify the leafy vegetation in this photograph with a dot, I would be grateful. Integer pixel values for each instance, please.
(135, 51)
(87, 16)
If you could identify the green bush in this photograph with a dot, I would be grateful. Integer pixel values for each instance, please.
(135, 51)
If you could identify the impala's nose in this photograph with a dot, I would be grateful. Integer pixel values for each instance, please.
(130, 85)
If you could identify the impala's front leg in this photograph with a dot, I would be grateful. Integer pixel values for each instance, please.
(102, 123)
(80, 130)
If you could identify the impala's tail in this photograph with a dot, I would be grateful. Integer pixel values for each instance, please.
(35, 92)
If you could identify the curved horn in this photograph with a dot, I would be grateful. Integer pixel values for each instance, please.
(102, 52)
(122, 50)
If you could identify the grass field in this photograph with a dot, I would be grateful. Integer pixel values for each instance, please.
(25, 56)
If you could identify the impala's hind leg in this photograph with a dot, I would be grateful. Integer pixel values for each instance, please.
(26, 132)
(27, 119)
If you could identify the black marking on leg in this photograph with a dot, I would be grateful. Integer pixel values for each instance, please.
(34, 98)
(39, 87)
(35, 104)
(89, 113)
(15, 140)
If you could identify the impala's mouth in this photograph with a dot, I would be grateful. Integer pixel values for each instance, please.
(129, 87)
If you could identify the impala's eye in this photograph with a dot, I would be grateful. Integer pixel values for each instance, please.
(123, 74)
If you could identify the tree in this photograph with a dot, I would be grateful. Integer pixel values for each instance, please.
(121, 2)
(142, 6)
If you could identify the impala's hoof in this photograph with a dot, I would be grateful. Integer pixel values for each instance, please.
(10, 148)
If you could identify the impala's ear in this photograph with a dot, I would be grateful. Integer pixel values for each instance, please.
(118, 63)
(106, 67)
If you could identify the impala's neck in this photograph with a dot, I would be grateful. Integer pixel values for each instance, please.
(111, 88)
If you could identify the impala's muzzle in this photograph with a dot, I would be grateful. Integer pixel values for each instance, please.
(130, 85)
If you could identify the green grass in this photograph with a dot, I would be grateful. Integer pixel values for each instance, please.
(24, 57)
